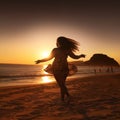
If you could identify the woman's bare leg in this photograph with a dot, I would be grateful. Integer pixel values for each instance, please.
(61, 82)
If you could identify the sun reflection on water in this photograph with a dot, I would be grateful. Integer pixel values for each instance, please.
(47, 79)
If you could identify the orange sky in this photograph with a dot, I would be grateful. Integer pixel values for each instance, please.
(25, 34)
(28, 46)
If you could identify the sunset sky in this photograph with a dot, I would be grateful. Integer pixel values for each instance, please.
(29, 29)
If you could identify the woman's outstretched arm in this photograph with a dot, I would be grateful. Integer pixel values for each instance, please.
(46, 59)
(72, 55)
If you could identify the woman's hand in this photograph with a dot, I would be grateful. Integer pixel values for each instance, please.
(38, 61)
(82, 55)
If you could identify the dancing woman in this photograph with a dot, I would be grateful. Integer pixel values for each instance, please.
(65, 47)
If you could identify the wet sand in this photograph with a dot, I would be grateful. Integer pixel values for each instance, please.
(92, 98)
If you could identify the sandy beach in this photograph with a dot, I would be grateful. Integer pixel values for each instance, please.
(92, 98)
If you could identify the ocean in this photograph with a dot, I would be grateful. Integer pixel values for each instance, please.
(18, 74)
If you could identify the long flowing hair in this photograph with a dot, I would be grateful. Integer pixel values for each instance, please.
(68, 44)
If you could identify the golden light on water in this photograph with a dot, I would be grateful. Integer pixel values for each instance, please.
(46, 79)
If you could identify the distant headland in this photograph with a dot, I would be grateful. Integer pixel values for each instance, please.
(99, 60)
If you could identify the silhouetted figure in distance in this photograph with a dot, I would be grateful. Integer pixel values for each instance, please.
(65, 47)
(95, 71)
(111, 69)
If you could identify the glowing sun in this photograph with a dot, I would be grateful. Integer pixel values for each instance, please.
(45, 54)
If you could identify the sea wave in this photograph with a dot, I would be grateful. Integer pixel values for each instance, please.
(30, 75)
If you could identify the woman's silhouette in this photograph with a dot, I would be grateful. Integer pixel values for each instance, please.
(65, 47)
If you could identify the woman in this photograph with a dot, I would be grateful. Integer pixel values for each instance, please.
(65, 47)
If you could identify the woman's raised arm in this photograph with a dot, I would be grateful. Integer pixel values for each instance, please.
(48, 58)
(72, 55)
